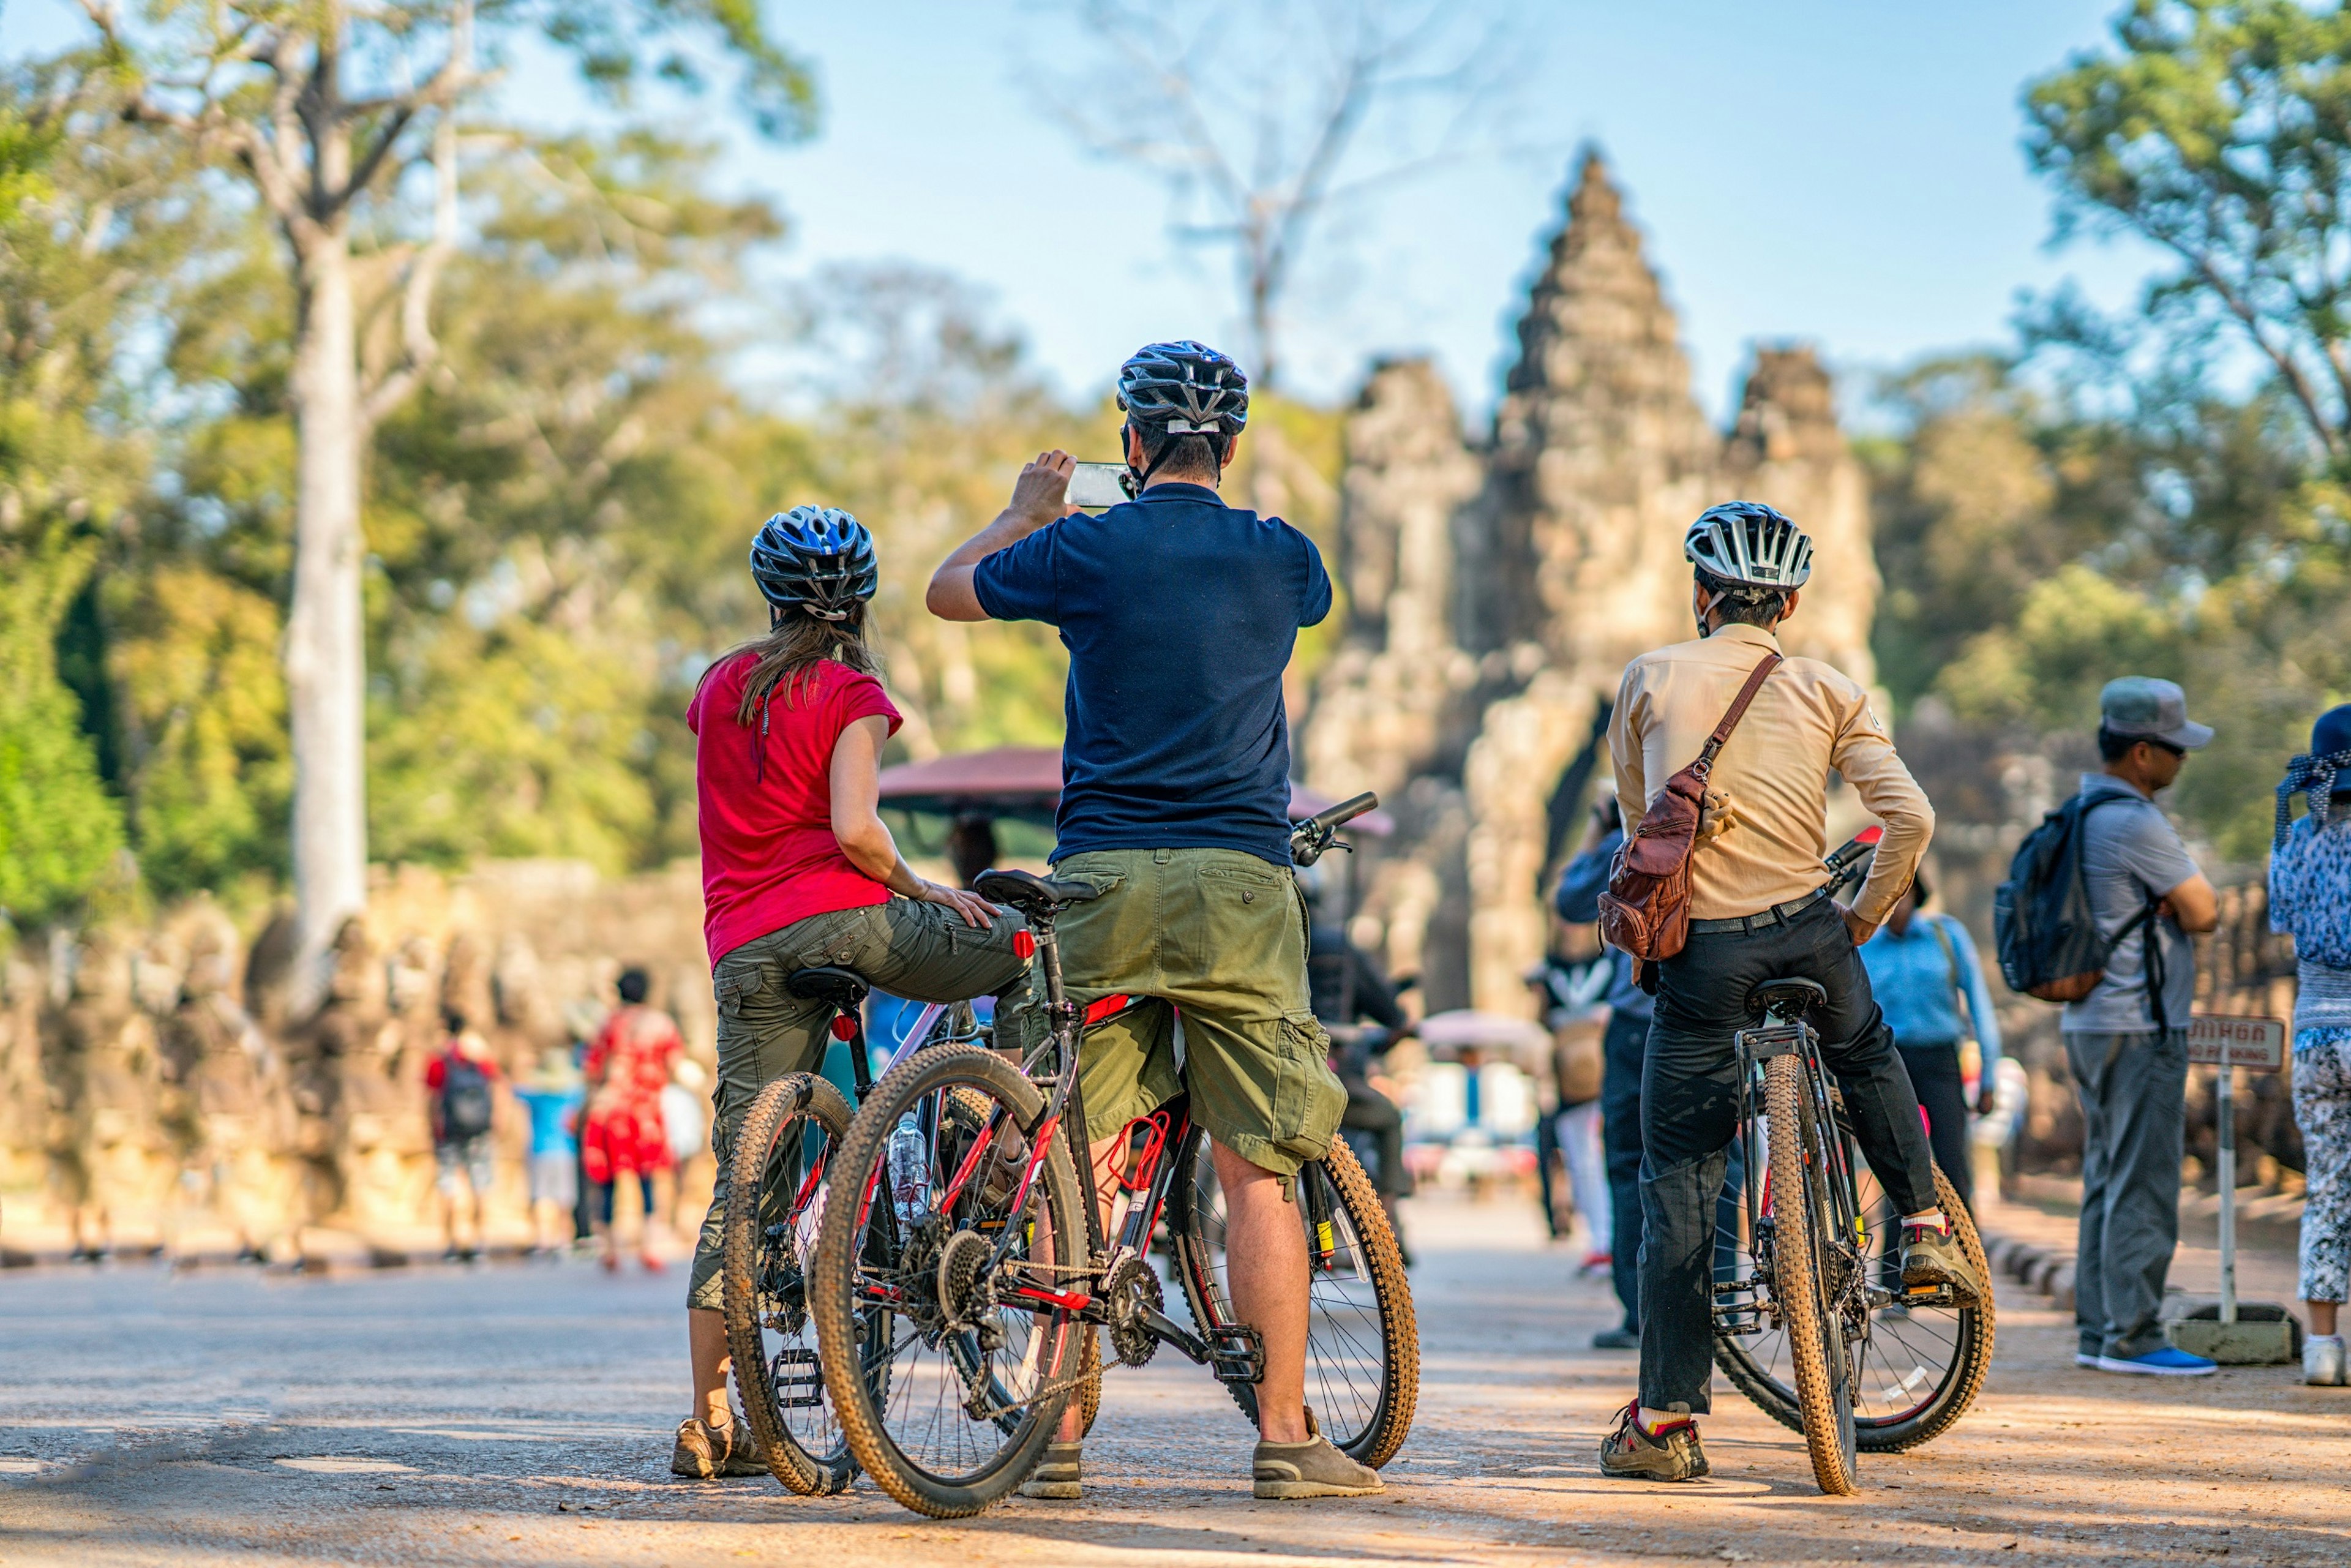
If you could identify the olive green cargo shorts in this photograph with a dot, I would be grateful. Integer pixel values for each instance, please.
(921, 951)
(1220, 936)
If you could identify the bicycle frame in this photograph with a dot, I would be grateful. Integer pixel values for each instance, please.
(1146, 1186)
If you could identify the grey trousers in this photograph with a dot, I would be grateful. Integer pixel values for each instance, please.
(2133, 1089)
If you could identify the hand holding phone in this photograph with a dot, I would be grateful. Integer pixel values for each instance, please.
(1099, 485)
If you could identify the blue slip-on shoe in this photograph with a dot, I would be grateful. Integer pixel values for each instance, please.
(2168, 1362)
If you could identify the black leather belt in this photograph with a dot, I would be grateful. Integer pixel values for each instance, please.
(1778, 914)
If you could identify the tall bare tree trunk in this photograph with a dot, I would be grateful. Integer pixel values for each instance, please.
(326, 657)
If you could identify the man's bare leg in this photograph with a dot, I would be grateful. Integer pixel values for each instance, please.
(1265, 1268)
(706, 1341)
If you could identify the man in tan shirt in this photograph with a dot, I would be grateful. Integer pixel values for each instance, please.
(1760, 911)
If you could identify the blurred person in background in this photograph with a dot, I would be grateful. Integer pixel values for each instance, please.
(2309, 896)
(628, 1064)
(1924, 971)
(1622, 1048)
(1348, 990)
(2126, 1041)
(552, 1097)
(461, 1086)
(1570, 1000)
(687, 1125)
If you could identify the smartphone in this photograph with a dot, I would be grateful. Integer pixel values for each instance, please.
(1098, 484)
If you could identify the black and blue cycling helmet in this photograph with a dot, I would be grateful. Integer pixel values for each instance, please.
(1184, 389)
(816, 558)
(1750, 544)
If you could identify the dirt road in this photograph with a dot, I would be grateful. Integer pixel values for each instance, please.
(521, 1415)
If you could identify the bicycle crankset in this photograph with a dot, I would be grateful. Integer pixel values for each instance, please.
(1131, 1300)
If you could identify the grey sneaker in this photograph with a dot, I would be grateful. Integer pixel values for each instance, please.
(709, 1453)
(1671, 1453)
(1055, 1479)
(1618, 1338)
(1286, 1471)
(2323, 1361)
(1932, 1256)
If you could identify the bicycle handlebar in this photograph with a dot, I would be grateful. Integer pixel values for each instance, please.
(1850, 861)
(1311, 838)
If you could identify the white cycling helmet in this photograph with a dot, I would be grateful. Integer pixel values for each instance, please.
(1749, 543)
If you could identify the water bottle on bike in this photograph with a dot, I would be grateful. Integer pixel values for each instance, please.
(910, 1172)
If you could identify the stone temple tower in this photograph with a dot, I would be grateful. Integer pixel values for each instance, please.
(1497, 589)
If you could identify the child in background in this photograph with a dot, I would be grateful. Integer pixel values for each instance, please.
(552, 1096)
(462, 1083)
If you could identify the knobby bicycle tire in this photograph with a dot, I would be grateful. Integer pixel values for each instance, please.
(833, 1284)
(1796, 1282)
(798, 1097)
(1962, 1380)
(1372, 1441)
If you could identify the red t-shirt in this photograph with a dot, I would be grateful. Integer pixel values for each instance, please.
(769, 856)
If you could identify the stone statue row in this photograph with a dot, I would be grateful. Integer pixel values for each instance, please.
(157, 1091)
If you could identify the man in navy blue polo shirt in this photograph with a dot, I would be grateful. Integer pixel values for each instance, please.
(1180, 614)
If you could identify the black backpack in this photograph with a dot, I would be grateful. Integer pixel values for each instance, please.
(2048, 936)
(465, 1099)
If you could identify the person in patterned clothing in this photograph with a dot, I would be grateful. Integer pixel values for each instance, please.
(2310, 895)
(627, 1066)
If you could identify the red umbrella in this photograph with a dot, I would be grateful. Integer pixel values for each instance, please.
(1026, 782)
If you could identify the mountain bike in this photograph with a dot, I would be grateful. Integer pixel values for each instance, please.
(962, 1246)
(1814, 1322)
(775, 1204)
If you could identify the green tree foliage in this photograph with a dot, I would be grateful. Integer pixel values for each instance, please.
(62, 268)
(2220, 130)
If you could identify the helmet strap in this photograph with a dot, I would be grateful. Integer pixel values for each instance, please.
(1219, 452)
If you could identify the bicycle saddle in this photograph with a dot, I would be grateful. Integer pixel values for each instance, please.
(844, 988)
(1031, 895)
(1790, 999)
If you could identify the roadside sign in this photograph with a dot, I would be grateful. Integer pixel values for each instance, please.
(2250, 1042)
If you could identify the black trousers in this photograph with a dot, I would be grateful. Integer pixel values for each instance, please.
(1933, 1069)
(1689, 1111)
(1369, 1111)
(1622, 1050)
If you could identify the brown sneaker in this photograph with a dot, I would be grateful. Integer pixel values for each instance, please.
(1932, 1256)
(1055, 1479)
(1671, 1453)
(1287, 1471)
(712, 1453)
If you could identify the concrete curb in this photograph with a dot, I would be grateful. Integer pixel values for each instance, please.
(2041, 1270)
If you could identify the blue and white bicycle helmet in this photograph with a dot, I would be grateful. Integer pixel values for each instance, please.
(816, 558)
(1184, 389)
(1750, 544)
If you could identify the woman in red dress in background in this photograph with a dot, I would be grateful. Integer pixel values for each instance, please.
(622, 1135)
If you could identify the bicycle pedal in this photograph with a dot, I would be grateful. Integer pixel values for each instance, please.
(1236, 1354)
(1927, 1296)
(796, 1379)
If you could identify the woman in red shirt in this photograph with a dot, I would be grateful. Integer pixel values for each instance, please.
(799, 870)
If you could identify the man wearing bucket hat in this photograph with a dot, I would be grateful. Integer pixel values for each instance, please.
(2126, 1041)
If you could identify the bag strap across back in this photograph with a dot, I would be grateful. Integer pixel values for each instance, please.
(1705, 763)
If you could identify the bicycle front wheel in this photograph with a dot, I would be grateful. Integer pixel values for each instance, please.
(967, 1253)
(1363, 1344)
(775, 1198)
(1801, 1255)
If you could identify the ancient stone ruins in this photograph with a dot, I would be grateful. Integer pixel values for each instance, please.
(1496, 587)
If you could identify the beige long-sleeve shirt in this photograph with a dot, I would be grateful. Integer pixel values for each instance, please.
(1772, 773)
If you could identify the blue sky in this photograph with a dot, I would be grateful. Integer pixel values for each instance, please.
(1843, 172)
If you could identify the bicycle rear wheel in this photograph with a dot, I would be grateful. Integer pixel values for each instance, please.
(978, 1376)
(1918, 1368)
(1362, 1346)
(1801, 1243)
(775, 1198)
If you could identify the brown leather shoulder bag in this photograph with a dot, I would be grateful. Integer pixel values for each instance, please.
(1645, 911)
